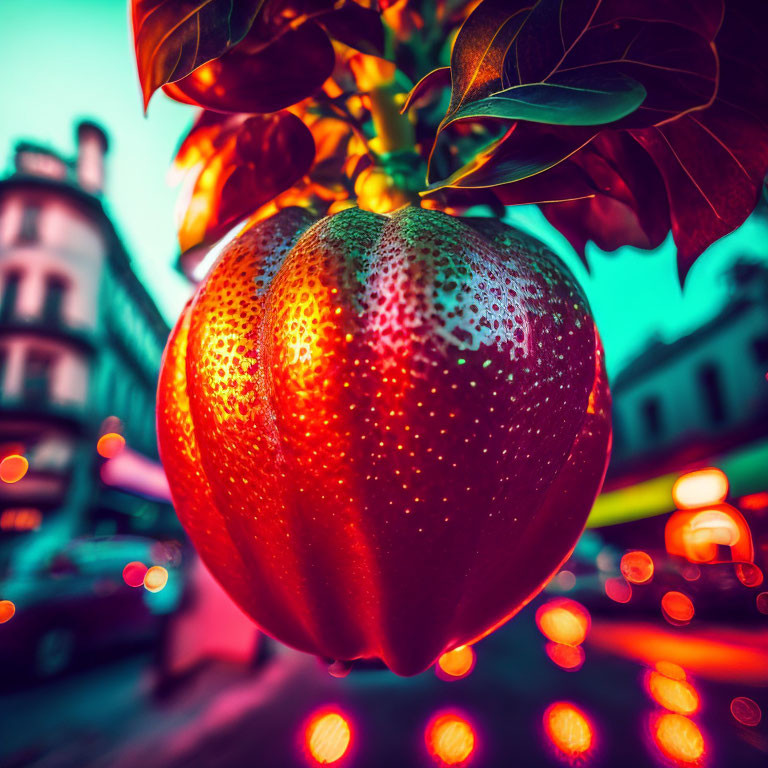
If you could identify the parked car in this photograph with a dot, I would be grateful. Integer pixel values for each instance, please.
(73, 606)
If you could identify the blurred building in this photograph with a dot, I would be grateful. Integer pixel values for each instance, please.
(80, 341)
(700, 396)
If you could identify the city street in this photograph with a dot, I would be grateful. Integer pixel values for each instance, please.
(429, 336)
(225, 715)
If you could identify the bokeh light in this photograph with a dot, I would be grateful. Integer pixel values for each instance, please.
(754, 501)
(675, 695)
(134, 573)
(155, 578)
(671, 670)
(729, 655)
(13, 468)
(749, 574)
(327, 737)
(569, 729)
(570, 657)
(7, 609)
(457, 663)
(637, 567)
(678, 738)
(110, 445)
(715, 526)
(690, 572)
(677, 607)
(563, 621)
(618, 589)
(450, 739)
(761, 601)
(564, 581)
(697, 534)
(746, 711)
(605, 560)
(697, 489)
(23, 519)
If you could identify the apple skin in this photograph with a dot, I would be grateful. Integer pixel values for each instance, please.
(384, 434)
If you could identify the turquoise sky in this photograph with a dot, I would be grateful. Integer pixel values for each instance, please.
(63, 60)
(66, 59)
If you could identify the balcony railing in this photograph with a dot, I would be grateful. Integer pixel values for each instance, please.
(50, 329)
(71, 416)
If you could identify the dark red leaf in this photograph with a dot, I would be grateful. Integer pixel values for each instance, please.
(559, 35)
(510, 44)
(676, 66)
(713, 164)
(565, 182)
(435, 80)
(356, 23)
(256, 78)
(477, 58)
(692, 157)
(206, 134)
(239, 163)
(250, 56)
(706, 168)
(628, 205)
(713, 161)
(359, 28)
(174, 37)
(608, 191)
(702, 16)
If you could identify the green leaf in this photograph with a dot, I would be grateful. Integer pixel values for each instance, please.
(526, 150)
(174, 37)
(572, 98)
(508, 49)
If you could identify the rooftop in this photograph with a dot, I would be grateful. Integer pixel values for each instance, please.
(745, 277)
(39, 166)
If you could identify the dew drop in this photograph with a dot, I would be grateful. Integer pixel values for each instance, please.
(339, 668)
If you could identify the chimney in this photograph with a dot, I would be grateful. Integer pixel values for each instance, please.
(92, 145)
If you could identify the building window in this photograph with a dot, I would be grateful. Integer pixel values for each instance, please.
(709, 378)
(10, 294)
(760, 350)
(28, 232)
(651, 410)
(55, 289)
(37, 376)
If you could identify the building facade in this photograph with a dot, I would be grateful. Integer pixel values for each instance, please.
(80, 348)
(701, 395)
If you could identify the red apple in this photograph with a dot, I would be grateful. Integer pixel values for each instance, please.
(384, 434)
